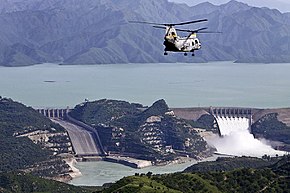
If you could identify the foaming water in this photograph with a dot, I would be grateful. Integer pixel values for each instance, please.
(230, 125)
(237, 140)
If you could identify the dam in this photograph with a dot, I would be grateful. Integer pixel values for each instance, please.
(231, 120)
(233, 128)
(85, 139)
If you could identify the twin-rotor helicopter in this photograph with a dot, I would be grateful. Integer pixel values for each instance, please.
(175, 43)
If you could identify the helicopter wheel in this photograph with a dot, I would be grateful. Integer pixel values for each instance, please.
(185, 54)
(165, 53)
(193, 54)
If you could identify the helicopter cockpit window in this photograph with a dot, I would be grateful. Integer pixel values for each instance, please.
(196, 41)
(173, 33)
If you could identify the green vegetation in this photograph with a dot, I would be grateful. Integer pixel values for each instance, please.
(271, 128)
(152, 133)
(142, 184)
(271, 178)
(206, 121)
(22, 160)
(102, 111)
(231, 163)
(17, 182)
(19, 152)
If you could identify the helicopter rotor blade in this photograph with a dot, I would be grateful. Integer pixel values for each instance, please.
(200, 30)
(169, 24)
(192, 31)
(210, 32)
(189, 22)
(145, 22)
(160, 27)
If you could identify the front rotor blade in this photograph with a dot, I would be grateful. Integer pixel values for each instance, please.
(160, 27)
(189, 22)
(145, 22)
(169, 24)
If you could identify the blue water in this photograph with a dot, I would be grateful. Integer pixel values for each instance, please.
(181, 85)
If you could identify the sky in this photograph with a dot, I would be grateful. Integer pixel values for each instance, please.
(281, 5)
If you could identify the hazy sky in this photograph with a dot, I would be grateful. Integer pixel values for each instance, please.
(282, 5)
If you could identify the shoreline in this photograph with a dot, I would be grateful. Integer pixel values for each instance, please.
(128, 161)
(134, 163)
(102, 172)
(75, 172)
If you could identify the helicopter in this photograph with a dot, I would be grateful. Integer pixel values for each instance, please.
(175, 43)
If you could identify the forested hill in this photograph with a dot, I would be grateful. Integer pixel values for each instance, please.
(28, 140)
(272, 178)
(98, 32)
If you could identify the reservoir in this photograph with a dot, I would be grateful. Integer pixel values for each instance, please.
(181, 85)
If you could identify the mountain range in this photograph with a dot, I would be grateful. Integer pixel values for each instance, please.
(281, 5)
(98, 32)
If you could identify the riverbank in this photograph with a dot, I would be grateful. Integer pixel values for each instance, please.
(101, 172)
(128, 161)
(74, 172)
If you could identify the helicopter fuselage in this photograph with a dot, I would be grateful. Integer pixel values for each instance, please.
(174, 43)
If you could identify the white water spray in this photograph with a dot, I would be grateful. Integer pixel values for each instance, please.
(237, 140)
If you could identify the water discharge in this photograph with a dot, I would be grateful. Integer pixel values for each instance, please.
(237, 140)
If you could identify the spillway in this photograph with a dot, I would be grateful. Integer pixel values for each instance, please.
(236, 138)
(228, 125)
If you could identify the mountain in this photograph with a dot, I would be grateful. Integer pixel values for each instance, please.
(98, 32)
(281, 5)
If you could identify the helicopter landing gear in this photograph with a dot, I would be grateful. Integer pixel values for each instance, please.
(185, 54)
(193, 54)
(165, 53)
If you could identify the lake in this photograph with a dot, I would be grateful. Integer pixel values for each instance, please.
(181, 85)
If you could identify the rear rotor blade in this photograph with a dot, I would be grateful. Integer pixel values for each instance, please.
(200, 31)
(210, 32)
(192, 31)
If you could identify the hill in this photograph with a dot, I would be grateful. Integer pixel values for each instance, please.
(21, 182)
(151, 133)
(229, 163)
(30, 141)
(98, 32)
(274, 178)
